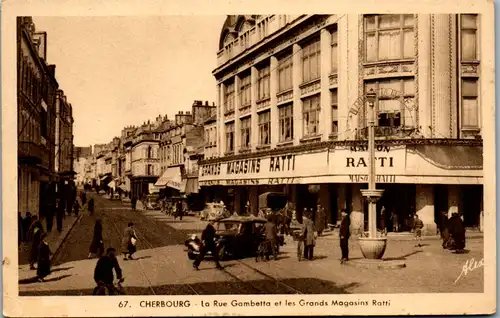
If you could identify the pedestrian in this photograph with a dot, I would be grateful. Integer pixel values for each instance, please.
(97, 245)
(320, 220)
(383, 227)
(457, 233)
(91, 206)
(83, 197)
(27, 220)
(35, 236)
(103, 273)
(133, 201)
(76, 208)
(60, 214)
(395, 222)
(308, 234)
(49, 219)
(344, 235)
(443, 228)
(271, 238)
(129, 242)
(208, 239)
(178, 210)
(43, 258)
(418, 225)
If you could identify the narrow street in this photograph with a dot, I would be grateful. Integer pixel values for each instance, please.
(162, 268)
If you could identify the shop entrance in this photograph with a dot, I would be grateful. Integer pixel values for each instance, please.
(398, 203)
(471, 197)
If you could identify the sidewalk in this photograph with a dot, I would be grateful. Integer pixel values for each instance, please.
(403, 236)
(54, 238)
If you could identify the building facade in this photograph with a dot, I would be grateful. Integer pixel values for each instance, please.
(36, 91)
(292, 114)
(81, 165)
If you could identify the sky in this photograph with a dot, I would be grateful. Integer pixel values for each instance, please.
(120, 71)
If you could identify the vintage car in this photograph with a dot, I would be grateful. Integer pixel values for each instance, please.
(214, 211)
(236, 237)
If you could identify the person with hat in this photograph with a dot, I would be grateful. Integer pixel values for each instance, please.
(344, 236)
(44, 264)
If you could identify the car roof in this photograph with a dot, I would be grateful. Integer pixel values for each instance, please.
(243, 219)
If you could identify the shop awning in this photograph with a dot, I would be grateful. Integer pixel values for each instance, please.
(189, 185)
(451, 158)
(170, 178)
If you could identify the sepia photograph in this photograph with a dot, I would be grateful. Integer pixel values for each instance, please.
(217, 164)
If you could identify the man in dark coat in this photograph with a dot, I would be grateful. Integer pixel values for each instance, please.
(35, 236)
(44, 264)
(83, 197)
(97, 245)
(344, 235)
(90, 206)
(457, 232)
(272, 240)
(133, 201)
(443, 228)
(60, 209)
(103, 272)
(208, 239)
(308, 235)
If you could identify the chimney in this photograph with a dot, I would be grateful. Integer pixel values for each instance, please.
(206, 103)
(181, 112)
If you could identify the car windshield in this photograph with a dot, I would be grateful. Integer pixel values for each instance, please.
(229, 226)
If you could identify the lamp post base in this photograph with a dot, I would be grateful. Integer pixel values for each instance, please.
(373, 247)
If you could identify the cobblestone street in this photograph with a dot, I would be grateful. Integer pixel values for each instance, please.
(162, 267)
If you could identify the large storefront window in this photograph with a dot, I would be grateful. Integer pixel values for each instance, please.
(264, 83)
(311, 61)
(395, 100)
(285, 66)
(245, 92)
(265, 128)
(230, 137)
(468, 26)
(245, 125)
(229, 98)
(389, 37)
(469, 103)
(310, 112)
(286, 122)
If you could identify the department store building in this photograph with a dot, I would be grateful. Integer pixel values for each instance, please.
(292, 114)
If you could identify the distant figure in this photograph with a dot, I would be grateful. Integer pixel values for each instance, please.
(308, 235)
(129, 242)
(208, 238)
(457, 232)
(83, 197)
(103, 273)
(383, 227)
(97, 245)
(344, 235)
(44, 263)
(272, 240)
(35, 236)
(418, 225)
(443, 228)
(133, 201)
(320, 220)
(91, 206)
(395, 222)
(76, 207)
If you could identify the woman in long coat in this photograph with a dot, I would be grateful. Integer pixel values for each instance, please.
(457, 232)
(97, 245)
(35, 236)
(44, 263)
(128, 246)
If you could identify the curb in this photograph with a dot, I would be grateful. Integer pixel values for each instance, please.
(66, 236)
(376, 264)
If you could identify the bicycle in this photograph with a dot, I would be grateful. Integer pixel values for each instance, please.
(103, 289)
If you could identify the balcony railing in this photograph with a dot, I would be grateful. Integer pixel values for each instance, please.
(388, 132)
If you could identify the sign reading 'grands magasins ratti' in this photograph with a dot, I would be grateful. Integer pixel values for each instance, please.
(250, 166)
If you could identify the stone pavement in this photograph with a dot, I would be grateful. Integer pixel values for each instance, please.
(54, 238)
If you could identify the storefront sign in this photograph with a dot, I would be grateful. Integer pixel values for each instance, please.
(363, 178)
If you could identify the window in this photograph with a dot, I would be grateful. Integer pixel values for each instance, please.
(265, 128)
(470, 103)
(149, 152)
(245, 91)
(335, 113)
(230, 137)
(310, 112)
(43, 123)
(468, 26)
(264, 84)
(389, 37)
(229, 98)
(286, 122)
(245, 129)
(335, 52)
(311, 61)
(149, 170)
(395, 100)
(285, 67)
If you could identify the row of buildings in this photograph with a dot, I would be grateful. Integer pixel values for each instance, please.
(45, 126)
(292, 114)
(157, 156)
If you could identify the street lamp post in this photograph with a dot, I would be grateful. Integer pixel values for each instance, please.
(373, 247)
